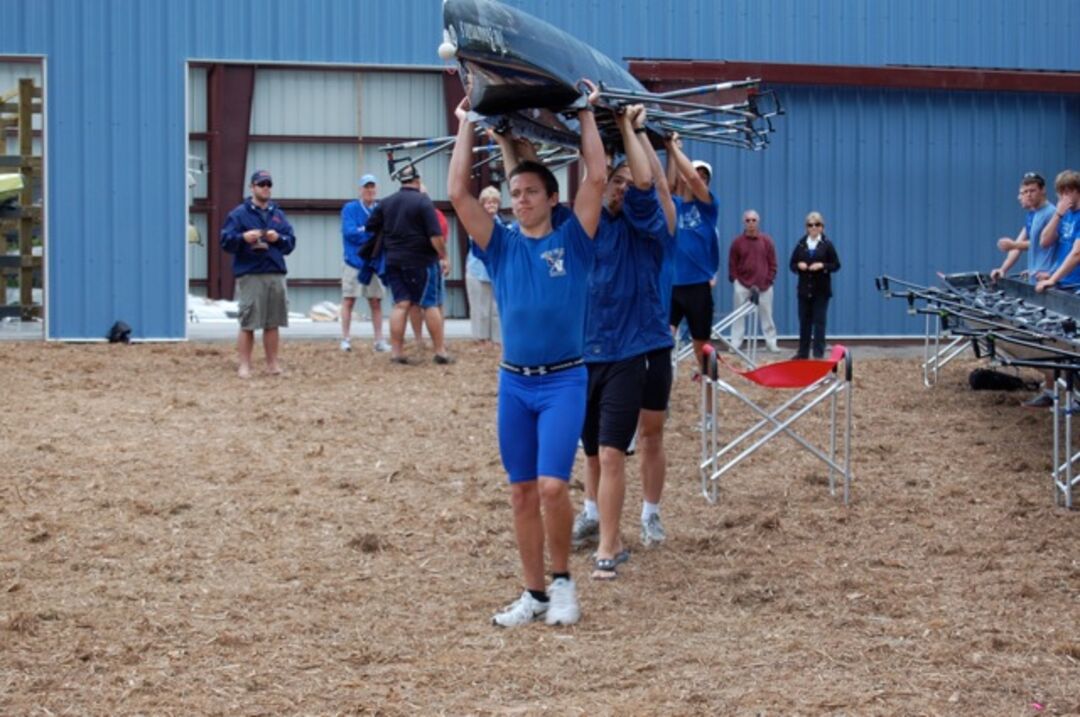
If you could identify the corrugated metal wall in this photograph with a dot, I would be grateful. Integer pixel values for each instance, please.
(910, 183)
(116, 134)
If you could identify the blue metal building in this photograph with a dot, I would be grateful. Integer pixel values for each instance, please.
(910, 180)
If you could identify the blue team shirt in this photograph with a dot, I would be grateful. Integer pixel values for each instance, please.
(1068, 232)
(541, 286)
(697, 248)
(1039, 259)
(626, 315)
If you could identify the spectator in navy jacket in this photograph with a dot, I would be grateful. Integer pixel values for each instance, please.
(259, 236)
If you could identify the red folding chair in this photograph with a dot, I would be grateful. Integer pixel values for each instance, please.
(815, 381)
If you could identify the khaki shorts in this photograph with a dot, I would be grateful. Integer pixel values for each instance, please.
(264, 303)
(352, 288)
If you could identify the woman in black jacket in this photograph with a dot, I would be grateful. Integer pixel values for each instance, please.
(814, 260)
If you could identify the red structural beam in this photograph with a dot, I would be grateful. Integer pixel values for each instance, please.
(657, 72)
(229, 93)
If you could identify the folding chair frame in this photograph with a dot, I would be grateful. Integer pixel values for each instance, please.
(800, 404)
(684, 350)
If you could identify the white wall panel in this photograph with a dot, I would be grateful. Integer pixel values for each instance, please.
(196, 107)
(399, 104)
(307, 171)
(318, 252)
(299, 102)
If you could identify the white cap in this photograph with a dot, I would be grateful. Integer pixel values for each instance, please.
(702, 164)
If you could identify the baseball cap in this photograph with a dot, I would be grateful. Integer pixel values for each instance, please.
(702, 164)
(367, 179)
(261, 175)
(408, 174)
(1033, 178)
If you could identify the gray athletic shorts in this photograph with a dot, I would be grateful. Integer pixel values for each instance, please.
(263, 301)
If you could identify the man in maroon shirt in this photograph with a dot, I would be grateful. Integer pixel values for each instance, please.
(752, 265)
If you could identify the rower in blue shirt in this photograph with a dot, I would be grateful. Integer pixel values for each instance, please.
(540, 277)
(626, 339)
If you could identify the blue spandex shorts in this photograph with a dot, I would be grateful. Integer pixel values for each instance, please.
(540, 419)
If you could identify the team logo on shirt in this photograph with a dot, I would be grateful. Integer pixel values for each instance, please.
(554, 259)
(690, 219)
(1069, 227)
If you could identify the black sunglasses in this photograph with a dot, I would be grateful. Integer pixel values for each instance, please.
(264, 183)
(814, 224)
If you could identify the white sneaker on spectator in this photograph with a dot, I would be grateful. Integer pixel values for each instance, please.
(563, 608)
(381, 346)
(652, 531)
(585, 530)
(346, 345)
(522, 611)
(772, 347)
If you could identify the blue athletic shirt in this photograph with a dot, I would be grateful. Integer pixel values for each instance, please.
(697, 249)
(626, 315)
(541, 286)
(1039, 259)
(1068, 232)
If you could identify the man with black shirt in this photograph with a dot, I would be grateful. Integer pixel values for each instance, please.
(415, 251)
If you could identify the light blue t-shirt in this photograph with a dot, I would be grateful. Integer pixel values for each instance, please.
(541, 288)
(697, 247)
(1039, 259)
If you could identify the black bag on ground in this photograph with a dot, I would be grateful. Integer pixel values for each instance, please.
(120, 333)
(987, 379)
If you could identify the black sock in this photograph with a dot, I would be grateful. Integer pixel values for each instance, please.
(539, 595)
(556, 576)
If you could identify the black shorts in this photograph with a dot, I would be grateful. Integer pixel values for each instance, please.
(419, 285)
(612, 404)
(693, 302)
(657, 389)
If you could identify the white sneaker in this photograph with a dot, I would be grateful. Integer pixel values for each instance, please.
(652, 531)
(585, 530)
(520, 612)
(563, 608)
(345, 345)
(772, 348)
(381, 346)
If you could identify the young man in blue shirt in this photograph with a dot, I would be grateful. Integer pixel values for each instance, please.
(540, 278)
(354, 235)
(1040, 259)
(626, 334)
(697, 247)
(1064, 228)
(259, 237)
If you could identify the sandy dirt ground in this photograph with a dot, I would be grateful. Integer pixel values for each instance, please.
(176, 541)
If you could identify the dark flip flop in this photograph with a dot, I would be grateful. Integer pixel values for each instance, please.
(604, 569)
(607, 568)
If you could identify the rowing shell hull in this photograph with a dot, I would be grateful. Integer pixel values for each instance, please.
(522, 68)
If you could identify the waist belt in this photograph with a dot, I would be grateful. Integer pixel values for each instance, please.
(541, 370)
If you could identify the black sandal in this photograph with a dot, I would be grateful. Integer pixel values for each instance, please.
(605, 569)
